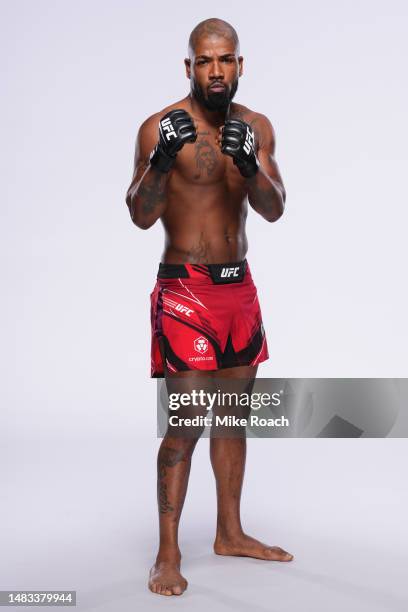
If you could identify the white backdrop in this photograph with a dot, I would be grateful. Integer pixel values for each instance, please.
(79, 78)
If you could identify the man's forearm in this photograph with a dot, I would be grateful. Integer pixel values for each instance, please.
(146, 198)
(266, 196)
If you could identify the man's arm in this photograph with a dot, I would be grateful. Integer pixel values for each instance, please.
(146, 194)
(266, 193)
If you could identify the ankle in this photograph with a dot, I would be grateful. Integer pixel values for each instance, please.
(168, 552)
(227, 533)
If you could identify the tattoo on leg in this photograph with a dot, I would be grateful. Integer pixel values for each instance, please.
(168, 457)
(164, 504)
(171, 456)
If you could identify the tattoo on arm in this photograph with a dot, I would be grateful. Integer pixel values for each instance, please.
(264, 198)
(152, 193)
(143, 164)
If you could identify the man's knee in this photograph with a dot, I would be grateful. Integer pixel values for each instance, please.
(175, 449)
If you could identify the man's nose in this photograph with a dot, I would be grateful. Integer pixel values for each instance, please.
(216, 70)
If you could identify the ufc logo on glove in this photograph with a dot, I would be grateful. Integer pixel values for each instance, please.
(168, 127)
(249, 141)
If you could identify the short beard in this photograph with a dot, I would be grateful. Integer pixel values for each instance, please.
(214, 101)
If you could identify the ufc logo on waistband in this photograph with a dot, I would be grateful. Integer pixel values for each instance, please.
(168, 127)
(227, 272)
(249, 141)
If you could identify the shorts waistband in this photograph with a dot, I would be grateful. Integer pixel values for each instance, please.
(219, 274)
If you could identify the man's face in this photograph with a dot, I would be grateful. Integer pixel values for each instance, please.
(214, 70)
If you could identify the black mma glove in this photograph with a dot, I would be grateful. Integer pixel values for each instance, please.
(175, 129)
(238, 141)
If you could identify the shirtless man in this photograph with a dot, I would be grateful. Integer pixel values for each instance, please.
(197, 164)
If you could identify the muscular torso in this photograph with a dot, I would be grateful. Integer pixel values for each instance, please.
(206, 203)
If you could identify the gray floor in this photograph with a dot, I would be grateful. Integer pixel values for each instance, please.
(81, 516)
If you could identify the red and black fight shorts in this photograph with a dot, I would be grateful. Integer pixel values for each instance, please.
(205, 317)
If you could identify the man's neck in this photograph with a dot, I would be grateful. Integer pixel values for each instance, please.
(215, 118)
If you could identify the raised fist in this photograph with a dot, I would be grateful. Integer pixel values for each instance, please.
(237, 140)
(175, 129)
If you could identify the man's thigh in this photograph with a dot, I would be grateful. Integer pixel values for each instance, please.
(234, 387)
(192, 386)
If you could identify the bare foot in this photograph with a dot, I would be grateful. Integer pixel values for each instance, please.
(245, 546)
(165, 578)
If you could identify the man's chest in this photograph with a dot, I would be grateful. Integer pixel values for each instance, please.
(202, 161)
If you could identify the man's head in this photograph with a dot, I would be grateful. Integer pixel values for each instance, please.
(214, 64)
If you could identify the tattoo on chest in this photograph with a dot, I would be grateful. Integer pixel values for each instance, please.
(205, 157)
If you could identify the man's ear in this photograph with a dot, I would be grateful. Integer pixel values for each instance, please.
(241, 65)
(187, 63)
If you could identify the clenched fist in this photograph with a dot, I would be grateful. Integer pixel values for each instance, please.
(237, 140)
(175, 129)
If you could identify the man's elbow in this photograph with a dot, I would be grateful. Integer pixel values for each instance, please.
(279, 210)
(141, 223)
(275, 217)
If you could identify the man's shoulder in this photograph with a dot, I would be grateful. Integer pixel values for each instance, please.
(259, 122)
(239, 111)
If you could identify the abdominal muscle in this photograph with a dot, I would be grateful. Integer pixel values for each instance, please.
(205, 231)
(205, 249)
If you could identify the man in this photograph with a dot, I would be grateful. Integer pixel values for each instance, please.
(197, 163)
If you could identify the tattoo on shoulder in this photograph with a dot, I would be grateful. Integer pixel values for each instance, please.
(238, 114)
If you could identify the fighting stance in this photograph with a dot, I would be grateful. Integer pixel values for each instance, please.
(197, 164)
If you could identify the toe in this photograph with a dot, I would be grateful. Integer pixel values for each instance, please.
(277, 553)
(284, 555)
(177, 590)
